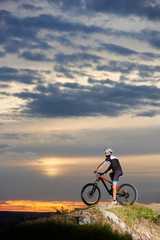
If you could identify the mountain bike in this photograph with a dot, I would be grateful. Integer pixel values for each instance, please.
(126, 193)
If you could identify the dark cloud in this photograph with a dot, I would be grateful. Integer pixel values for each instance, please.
(155, 41)
(143, 8)
(117, 49)
(14, 136)
(73, 85)
(67, 72)
(150, 113)
(30, 7)
(40, 57)
(25, 76)
(149, 55)
(73, 100)
(2, 54)
(14, 45)
(77, 57)
(151, 36)
(3, 146)
(57, 23)
(117, 66)
(23, 33)
(19, 33)
(69, 5)
(106, 81)
(14, 35)
(127, 67)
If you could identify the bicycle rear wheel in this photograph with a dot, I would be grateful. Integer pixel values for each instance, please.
(90, 194)
(129, 194)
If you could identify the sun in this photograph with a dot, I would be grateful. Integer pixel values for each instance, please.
(51, 172)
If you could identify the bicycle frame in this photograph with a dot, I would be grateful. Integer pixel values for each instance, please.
(100, 178)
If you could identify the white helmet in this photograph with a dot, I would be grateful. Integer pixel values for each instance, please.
(108, 149)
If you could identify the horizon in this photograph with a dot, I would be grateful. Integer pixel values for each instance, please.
(39, 206)
(76, 77)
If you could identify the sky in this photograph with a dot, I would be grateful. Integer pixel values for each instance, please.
(77, 76)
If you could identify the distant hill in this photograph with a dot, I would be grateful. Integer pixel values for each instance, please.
(16, 217)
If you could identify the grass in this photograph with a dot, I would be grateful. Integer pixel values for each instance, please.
(62, 211)
(130, 214)
(62, 231)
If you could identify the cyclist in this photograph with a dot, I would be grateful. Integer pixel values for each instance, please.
(116, 170)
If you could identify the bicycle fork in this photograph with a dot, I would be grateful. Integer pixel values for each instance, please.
(94, 187)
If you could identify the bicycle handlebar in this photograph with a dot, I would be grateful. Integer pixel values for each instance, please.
(98, 173)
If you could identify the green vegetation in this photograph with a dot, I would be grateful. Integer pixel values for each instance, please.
(62, 211)
(62, 231)
(130, 214)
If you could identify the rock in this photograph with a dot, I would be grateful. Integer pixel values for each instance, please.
(111, 216)
(84, 220)
(146, 234)
(135, 236)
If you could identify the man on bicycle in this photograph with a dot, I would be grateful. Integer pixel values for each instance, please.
(116, 170)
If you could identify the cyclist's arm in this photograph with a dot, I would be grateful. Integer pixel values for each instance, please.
(108, 169)
(100, 166)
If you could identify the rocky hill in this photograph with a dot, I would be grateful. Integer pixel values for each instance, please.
(141, 222)
(137, 222)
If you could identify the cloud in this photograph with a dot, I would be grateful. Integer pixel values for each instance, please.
(150, 113)
(3, 146)
(69, 5)
(149, 35)
(14, 136)
(40, 57)
(117, 49)
(77, 57)
(56, 23)
(101, 82)
(34, 37)
(30, 7)
(67, 72)
(23, 33)
(111, 100)
(143, 8)
(126, 67)
(2, 54)
(17, 158)
(117, 66)
(26, 76)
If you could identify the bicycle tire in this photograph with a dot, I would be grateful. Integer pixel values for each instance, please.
(88, 197)
(129, 196)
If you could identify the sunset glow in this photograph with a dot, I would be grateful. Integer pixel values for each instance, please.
(38, 206)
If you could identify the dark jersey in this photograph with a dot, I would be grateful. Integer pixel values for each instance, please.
(114, 163)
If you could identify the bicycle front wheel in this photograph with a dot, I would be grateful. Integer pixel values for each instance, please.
(128, 195)
(90, 194)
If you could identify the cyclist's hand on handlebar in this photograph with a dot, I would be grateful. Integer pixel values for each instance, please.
(101, 173)
(95, 172)
(98, 173)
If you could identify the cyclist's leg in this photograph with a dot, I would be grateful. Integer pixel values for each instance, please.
(114, 185)
(111, 175)
(117, 174)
